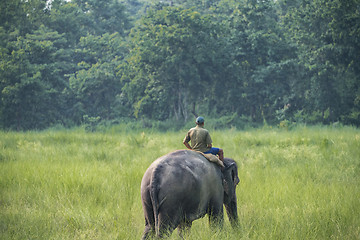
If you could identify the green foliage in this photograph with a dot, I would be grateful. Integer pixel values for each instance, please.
(319, 31)
(90, 123)
(38, 85)
(230, 122)
(265, 58)
(32, 79)
(72, 184)
(104, 16)
(96, 84)
(170, 62)
(158, 61)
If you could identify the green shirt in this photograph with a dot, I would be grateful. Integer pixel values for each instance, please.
(199, 137)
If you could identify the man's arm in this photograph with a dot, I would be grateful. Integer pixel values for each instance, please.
(187, 145)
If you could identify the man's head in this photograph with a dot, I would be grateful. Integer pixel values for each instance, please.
(200, 120)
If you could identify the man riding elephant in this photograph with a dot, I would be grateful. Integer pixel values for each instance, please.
(201, 140)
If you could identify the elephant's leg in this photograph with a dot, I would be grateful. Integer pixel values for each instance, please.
(216, 216)
(184, 229)
(167, 224)
(149, 231)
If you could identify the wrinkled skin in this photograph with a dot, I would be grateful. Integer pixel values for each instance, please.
(183, 186)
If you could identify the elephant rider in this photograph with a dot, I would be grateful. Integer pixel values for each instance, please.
(201, 140)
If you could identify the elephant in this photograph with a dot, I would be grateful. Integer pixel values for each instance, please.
(183, 186)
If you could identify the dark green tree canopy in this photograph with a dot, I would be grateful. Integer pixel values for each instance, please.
(66, 62)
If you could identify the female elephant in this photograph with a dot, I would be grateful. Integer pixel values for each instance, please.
(183, 186)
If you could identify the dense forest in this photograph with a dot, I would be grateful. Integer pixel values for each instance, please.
(68, 62)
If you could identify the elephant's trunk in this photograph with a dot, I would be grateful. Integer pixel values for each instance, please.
(231, 210)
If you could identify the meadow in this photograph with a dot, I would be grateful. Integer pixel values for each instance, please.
(302, 183)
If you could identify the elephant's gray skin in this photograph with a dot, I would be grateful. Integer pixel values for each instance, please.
(183, 186)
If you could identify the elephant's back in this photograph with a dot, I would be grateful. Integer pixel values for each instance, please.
(183, 161)
(180, 165)
(185, 171)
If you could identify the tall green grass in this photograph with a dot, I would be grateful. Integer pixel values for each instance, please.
(69, 184)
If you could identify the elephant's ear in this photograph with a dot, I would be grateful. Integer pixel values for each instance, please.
(226, 186)
(229, 182)
(231, 178)
(234, 176)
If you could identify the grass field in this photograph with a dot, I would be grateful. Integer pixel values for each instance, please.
(69, 184)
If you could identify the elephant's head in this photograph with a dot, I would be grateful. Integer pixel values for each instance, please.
(230, 181)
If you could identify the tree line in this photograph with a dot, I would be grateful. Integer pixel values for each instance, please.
(68, 62)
